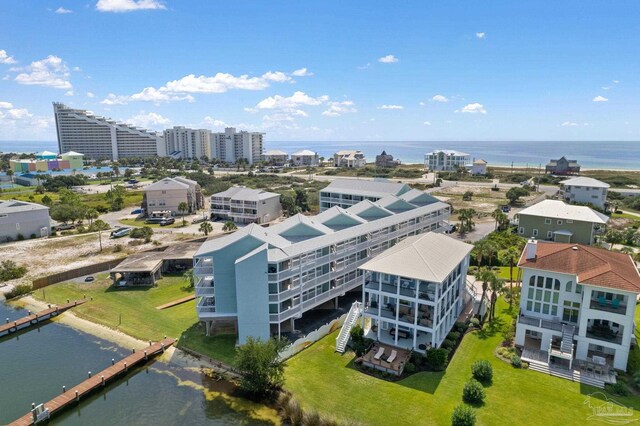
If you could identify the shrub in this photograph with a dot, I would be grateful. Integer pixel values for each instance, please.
(516, 361)
(117, 248)
(482, 371)
(409, 368)
(135, 243)
(475, 322)
(460, 327)
(453, 336)
(142, 233)
(463, 415)
(618, 388)
(358, 342)
(9, 270)
(33, 236)
(18, 290)
(447, 344)
(20, 237)
(473, 392)
(437, 358)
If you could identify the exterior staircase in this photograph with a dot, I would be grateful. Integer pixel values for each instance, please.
(573, 375)
(567, 338)
(349, 322)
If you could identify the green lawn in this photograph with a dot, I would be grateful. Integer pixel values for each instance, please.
(141, 222)
(326, 381)
(133, 311)
(504, 273)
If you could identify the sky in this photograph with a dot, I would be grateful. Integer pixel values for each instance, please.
(327, 70)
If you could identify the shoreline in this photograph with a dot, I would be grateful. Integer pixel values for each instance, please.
(173, 355)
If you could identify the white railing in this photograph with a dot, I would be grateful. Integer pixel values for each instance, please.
(345, 331)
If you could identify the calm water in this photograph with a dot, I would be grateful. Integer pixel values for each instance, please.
(591, 154)
(35, 365)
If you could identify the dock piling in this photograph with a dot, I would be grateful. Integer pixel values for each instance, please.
(64, 389)
(89, 374)
(77, 397)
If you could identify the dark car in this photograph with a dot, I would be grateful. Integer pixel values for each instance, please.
(168, 221)
(452, 229)
(89, 279)
(506, 208)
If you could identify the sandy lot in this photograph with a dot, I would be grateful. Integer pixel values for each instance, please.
(483, 201)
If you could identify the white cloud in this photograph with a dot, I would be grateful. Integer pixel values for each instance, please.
(149, 120)
(389, 59)
(390, 107)
(474, 108)
(292, 102)
(90, 95)
(600, 99)
(569, 124)
(112, 99)
(421, 103)
(61, 10)
(427, 123)
(51, 72)
(302, 72)
(338, 108)
(215, 123)
(128, 5)
(19, 120)
(6, 105)
(481, 35)
(365, 66)
(440, 98)
(69, 93)
(151, 94)
(606, 87)
(616, 81)
(5, 58)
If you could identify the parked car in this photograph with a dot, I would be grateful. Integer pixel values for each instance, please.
(506, 208)
(65, 227)
(120, 232)
(89, 279)
(198, 220)
(168, 221)
(451, 229)
(137, 211)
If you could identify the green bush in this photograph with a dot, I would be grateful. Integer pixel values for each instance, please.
(447, 344)
(144, 233)
(473, 392)
(618, 388)
(516, 361)
(475, 322)
(9, 270)
(482, 371)
(18, 290)
(453, 336)
(33, 236)
(20, 237)
(437, 359)
(460, 327)
(463, 415)
(409, 368)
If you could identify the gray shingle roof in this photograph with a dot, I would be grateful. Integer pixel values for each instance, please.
(369, 188)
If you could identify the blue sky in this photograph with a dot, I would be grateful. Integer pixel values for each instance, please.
(328, 70)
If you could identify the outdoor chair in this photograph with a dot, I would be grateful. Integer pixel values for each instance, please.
(615, 304)
(602, 301)
(392, 357)
(379, 354)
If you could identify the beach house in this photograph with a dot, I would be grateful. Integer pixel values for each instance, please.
(276, 158)
(562, 166)
(554, 220)
(349, 158)
(577, 310)
(167, 194)
(584, 190)
(305, 158)
(23, 219)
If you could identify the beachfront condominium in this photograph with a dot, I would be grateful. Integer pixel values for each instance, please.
(263, 279)
(231, 146)
(102, 138)
(167, 194)
(414, 292)
(584, 190)
(557, 221)
(246, 205)
(182, 142)
(276, 158)
(305, 157)
(445, 160)
(347, 192)
(577, 307)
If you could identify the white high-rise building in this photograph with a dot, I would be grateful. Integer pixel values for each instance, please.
(182, 142)
(102, 138)
(231, 146)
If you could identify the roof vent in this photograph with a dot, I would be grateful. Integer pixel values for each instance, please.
(574, 248)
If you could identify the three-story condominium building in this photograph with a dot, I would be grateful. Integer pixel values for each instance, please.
(557, 221)
(305, 157)
(167, 194)
(276, 158)
(445, 160)
(245, 205)
(584, 190)
(349, 158)
(347, 192)
(102, 138)
(577, 307)
(264, 278)
(231, 146)
(414, 292)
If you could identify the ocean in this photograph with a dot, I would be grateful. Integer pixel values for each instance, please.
(589, 154)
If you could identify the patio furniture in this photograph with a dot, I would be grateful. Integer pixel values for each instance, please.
(599, 360)
(602, 301)
(392, 357)
(379, 354)
(615, 304)
(422, 347)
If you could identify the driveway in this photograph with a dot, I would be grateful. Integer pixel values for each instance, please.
(481, 230)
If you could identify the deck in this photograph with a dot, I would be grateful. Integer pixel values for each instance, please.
(32, 319)
(98, 380)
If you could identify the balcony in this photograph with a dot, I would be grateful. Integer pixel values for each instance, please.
(541, 323)
(207, 305)
(605, 333)
(614, 306)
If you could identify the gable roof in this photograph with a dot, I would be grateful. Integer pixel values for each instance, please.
(395, 204)
(369, 210)
(480, 161)
(166, 183)
(427, 257)
(72, 153)
(304, 152)
(275, 152)
(419, 198)
(338, 218)
(246, 194)
(15, 206)
(592, 266)
(585, 181)
(560, 210)
(369, 188)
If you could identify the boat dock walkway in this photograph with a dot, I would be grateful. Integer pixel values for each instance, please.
(73, 395)
(33, 319)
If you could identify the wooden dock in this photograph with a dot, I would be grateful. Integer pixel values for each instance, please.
(33, 319)
(72, 396)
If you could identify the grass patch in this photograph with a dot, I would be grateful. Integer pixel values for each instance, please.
(133, 311)
(503, 273)
(326, 381)
(140, 222)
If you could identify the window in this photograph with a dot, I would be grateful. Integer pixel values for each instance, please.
(535, 232)
(559, 222)
(569, 287)
(578, 288)
(549, 234)
(569, 221)
(547, 221)
(521, 230)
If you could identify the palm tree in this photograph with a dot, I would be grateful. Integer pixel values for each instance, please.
(496, 284)
(481, 250)
(484, 275)
(229, 226)
(182, 208)
(10, 174)
(498, 215)
(91, 214)
(491, 251)
(188, 275)
(466, 220)
(205, 227)
(510, 256)
(100, 226)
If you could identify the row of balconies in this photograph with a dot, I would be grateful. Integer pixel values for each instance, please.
(298, 309)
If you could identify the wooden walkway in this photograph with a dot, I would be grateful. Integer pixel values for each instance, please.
(176, 302)
(33, 319)
(97, 380)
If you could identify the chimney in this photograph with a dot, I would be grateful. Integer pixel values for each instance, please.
(530, 249)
